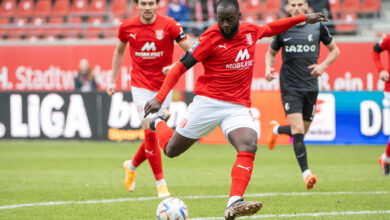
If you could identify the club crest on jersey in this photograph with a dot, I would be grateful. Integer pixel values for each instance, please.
(159, 34)
(249, 39)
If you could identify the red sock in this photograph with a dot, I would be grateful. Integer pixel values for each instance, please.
(387, 152)
(164, 133)
(140, 156)
(241, 173)
(153, 154)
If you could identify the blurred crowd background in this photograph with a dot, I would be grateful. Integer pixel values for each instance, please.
(99, 19)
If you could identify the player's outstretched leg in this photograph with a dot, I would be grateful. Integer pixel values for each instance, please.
(163, 133)
(153, 154)
(131, 165)
(384, 160)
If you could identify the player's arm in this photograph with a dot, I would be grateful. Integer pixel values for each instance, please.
(170, 81)
(383, 74)
(334, 52)
(282, 25)
(269, 63)
(117, 60)
(186, 46)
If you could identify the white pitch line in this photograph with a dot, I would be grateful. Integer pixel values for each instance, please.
(303, 215)
(185, 197)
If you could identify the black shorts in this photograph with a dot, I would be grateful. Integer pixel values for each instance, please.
(296, 101)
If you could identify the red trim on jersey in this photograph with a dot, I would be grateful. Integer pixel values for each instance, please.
(170, 81)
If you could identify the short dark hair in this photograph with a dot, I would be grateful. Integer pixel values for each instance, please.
(229, 2)
(136, 1)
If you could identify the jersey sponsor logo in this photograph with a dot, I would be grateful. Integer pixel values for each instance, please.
(159, 34)
(148, 51)
(132, 35)
(242, 55)
(149, 46)
(249, 39)
(300, 48)
(287, 39)
(310, 38)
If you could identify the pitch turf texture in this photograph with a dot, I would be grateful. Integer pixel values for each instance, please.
(86, 181)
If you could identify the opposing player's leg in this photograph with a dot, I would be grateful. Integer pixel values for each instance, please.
(275, 130)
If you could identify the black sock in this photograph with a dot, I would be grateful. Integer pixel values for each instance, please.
(300, 151)
(285, 129)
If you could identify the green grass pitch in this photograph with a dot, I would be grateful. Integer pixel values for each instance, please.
(41, 173)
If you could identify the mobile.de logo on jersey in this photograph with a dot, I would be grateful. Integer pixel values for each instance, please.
(240, 63)
(242, 55)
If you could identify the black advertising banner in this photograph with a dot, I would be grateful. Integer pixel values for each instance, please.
(66, 115)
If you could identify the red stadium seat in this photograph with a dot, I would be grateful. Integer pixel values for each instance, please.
(8, 8)
(370, 6)
(350, 26)
(94, 29)
(119, 7)
(37, 22)
(25, 8)
(351, 6)
(75, 31)
(43, 8)
(20, 29)
(248, 17)
(252, 7)
(335, 6)
(80, 7)
(4, 23)
(272, 6)
(61, 8)
(97, 6)
(112, 32)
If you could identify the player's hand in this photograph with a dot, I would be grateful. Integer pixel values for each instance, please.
(166, 69)
(269, 76)
(152, 106)
(318, 69)
(312, 18)
(384, 75)
(111, 89)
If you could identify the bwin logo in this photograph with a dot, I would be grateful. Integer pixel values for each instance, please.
(242, 55)
(149, 46)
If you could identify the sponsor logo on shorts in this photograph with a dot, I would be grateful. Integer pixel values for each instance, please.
(183, 123)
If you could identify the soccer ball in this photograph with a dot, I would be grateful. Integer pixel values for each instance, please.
(172, 208)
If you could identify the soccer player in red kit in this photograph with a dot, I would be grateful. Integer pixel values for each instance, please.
(151, 38)
(384, 44)
(226, 51)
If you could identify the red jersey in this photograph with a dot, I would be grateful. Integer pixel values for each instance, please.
(228, 63)
(151, 48)
(384, 44)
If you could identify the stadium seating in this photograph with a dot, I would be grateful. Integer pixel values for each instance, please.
(163, 7)
(351, 6)
(350, 27)
(8, 8)
(269, 18)
(370, 6)
(61, 8)
(253, 7)
(25, 8)
(43, 8)
(79, 7)
(272, 6)
(94, 29)
(97, 7)
(119, 8)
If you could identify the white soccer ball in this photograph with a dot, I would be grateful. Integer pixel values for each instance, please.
(172, 208)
